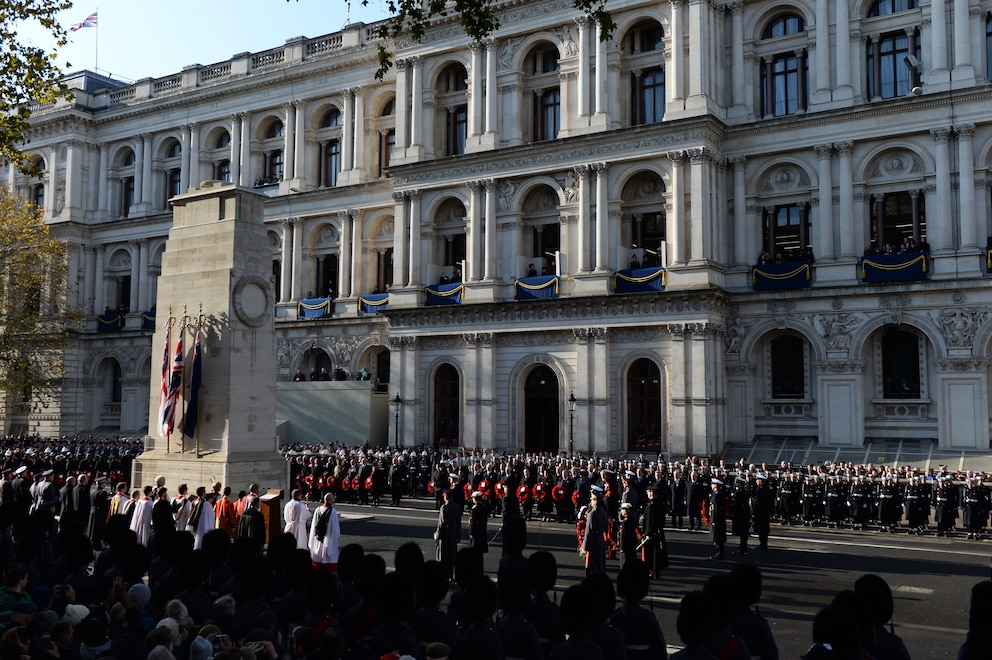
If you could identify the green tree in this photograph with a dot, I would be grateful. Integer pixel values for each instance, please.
(35, 319)
(28, 74)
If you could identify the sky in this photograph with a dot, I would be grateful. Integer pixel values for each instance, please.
(138, 39)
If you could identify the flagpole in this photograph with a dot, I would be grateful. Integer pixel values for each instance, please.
(196, 429)
(96, 43)
(182, 385)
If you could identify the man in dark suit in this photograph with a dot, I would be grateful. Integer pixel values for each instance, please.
(696, 498)
(679, 491)
(718, 518)
(252, 525)
(448, 533)
(655, 549)
(594, 540)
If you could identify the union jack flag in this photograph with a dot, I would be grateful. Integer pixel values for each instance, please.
(175, 388)
(163, 396)
(89, 21)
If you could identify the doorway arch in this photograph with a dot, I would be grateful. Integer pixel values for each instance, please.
(541, 411)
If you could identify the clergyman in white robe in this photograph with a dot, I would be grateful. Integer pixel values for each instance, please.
(324, 534)
(141, 520)
(297, 514)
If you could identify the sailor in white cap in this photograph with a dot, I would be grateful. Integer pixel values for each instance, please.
(597, 525)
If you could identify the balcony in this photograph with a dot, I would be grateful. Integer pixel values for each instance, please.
(314, 308)
(373, 303)
(444, 294)
(782, 276)
(902, 267)
(536, 288)
(640, 280)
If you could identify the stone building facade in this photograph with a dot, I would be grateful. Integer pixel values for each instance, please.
(811, 176)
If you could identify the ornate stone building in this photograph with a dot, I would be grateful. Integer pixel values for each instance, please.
(731, 222)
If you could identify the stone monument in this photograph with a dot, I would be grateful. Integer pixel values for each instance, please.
(217, 256)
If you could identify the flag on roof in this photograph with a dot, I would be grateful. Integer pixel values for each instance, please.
(89, 21)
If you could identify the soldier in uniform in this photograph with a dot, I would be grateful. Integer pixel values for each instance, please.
(740, 506)
(917, 505)
(654, 550)
(835, 507)
(679, 498)
(594, 539)
(763, 505)
(976, 507)
(889, 504)
(860, 493)
(782, 497)
(717, 514)
(477, 522)
(946, 505)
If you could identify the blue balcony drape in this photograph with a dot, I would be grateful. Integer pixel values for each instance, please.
(640, 280)
(535, 288)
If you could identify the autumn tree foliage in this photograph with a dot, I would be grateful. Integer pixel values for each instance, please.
(36, 323)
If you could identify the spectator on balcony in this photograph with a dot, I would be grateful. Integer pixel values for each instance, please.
(531, 270)
(444, 279)
(324, 374)
(299, 377)
(634, 262)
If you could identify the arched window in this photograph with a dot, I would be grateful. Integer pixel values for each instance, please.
(785, 73)
(447, 391)
(788, 367)
(329, 138)
(452, 103)
(888, 73)
(331, 118)
(174, 150)
(275, 130)
(900, 365)
(223, 140)
(886, 7)
(544, 86)
(644, 424)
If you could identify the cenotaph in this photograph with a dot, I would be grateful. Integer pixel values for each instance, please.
(217, 256)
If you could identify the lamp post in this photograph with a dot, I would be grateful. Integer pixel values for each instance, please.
(571, 424)
(397, 402)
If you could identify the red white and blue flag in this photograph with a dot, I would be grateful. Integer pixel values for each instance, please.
(175, 388)
(89, 21)
(195, 381)
(163, 396)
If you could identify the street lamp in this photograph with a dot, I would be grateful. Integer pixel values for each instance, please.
(571, 425)
(397, 402)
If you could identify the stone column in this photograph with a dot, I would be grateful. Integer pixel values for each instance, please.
(676, 77)
(357, 243)
(845, 190)
(491, 256)
(939, 233)
(966, 187)
(289, 140)
(843, 45)
(184, 162)
(89, 276)
(359, 140)
(235, 154)
(415, 262)
(824, 228)
(581, 262)
(286, 267)
(297, 257)
(344, 266)
(741, 226)
(474, 246)
(399, 239)
(675, 220)
(135, 247)
(584, 66)
(347, 133)
(402, 107)
(416, 107)
(195, 176)
(698, 231)
(753, 242)
(492, 119)
(963, 69)
(246, 173)
(99, 289)
(104, 180)
(699, 39)
(299, 167)
(475, 91)
(603, 261)
(139, 170)
(737, 54)
(602, 67)
(822, 36)
(938, 37)
(144, 290)
(146, 173)
(73, 176)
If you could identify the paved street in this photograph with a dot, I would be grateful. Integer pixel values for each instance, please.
(931, 578)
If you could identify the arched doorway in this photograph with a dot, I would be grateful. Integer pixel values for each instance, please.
(447, 390)
(644, 406)
(541, 415)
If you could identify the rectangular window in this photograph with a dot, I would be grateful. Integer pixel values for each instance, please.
(127, 195)
(172, 184)
(547, 118)
(332, 162)
(388, 141)
(457, 129)
(648, 97)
